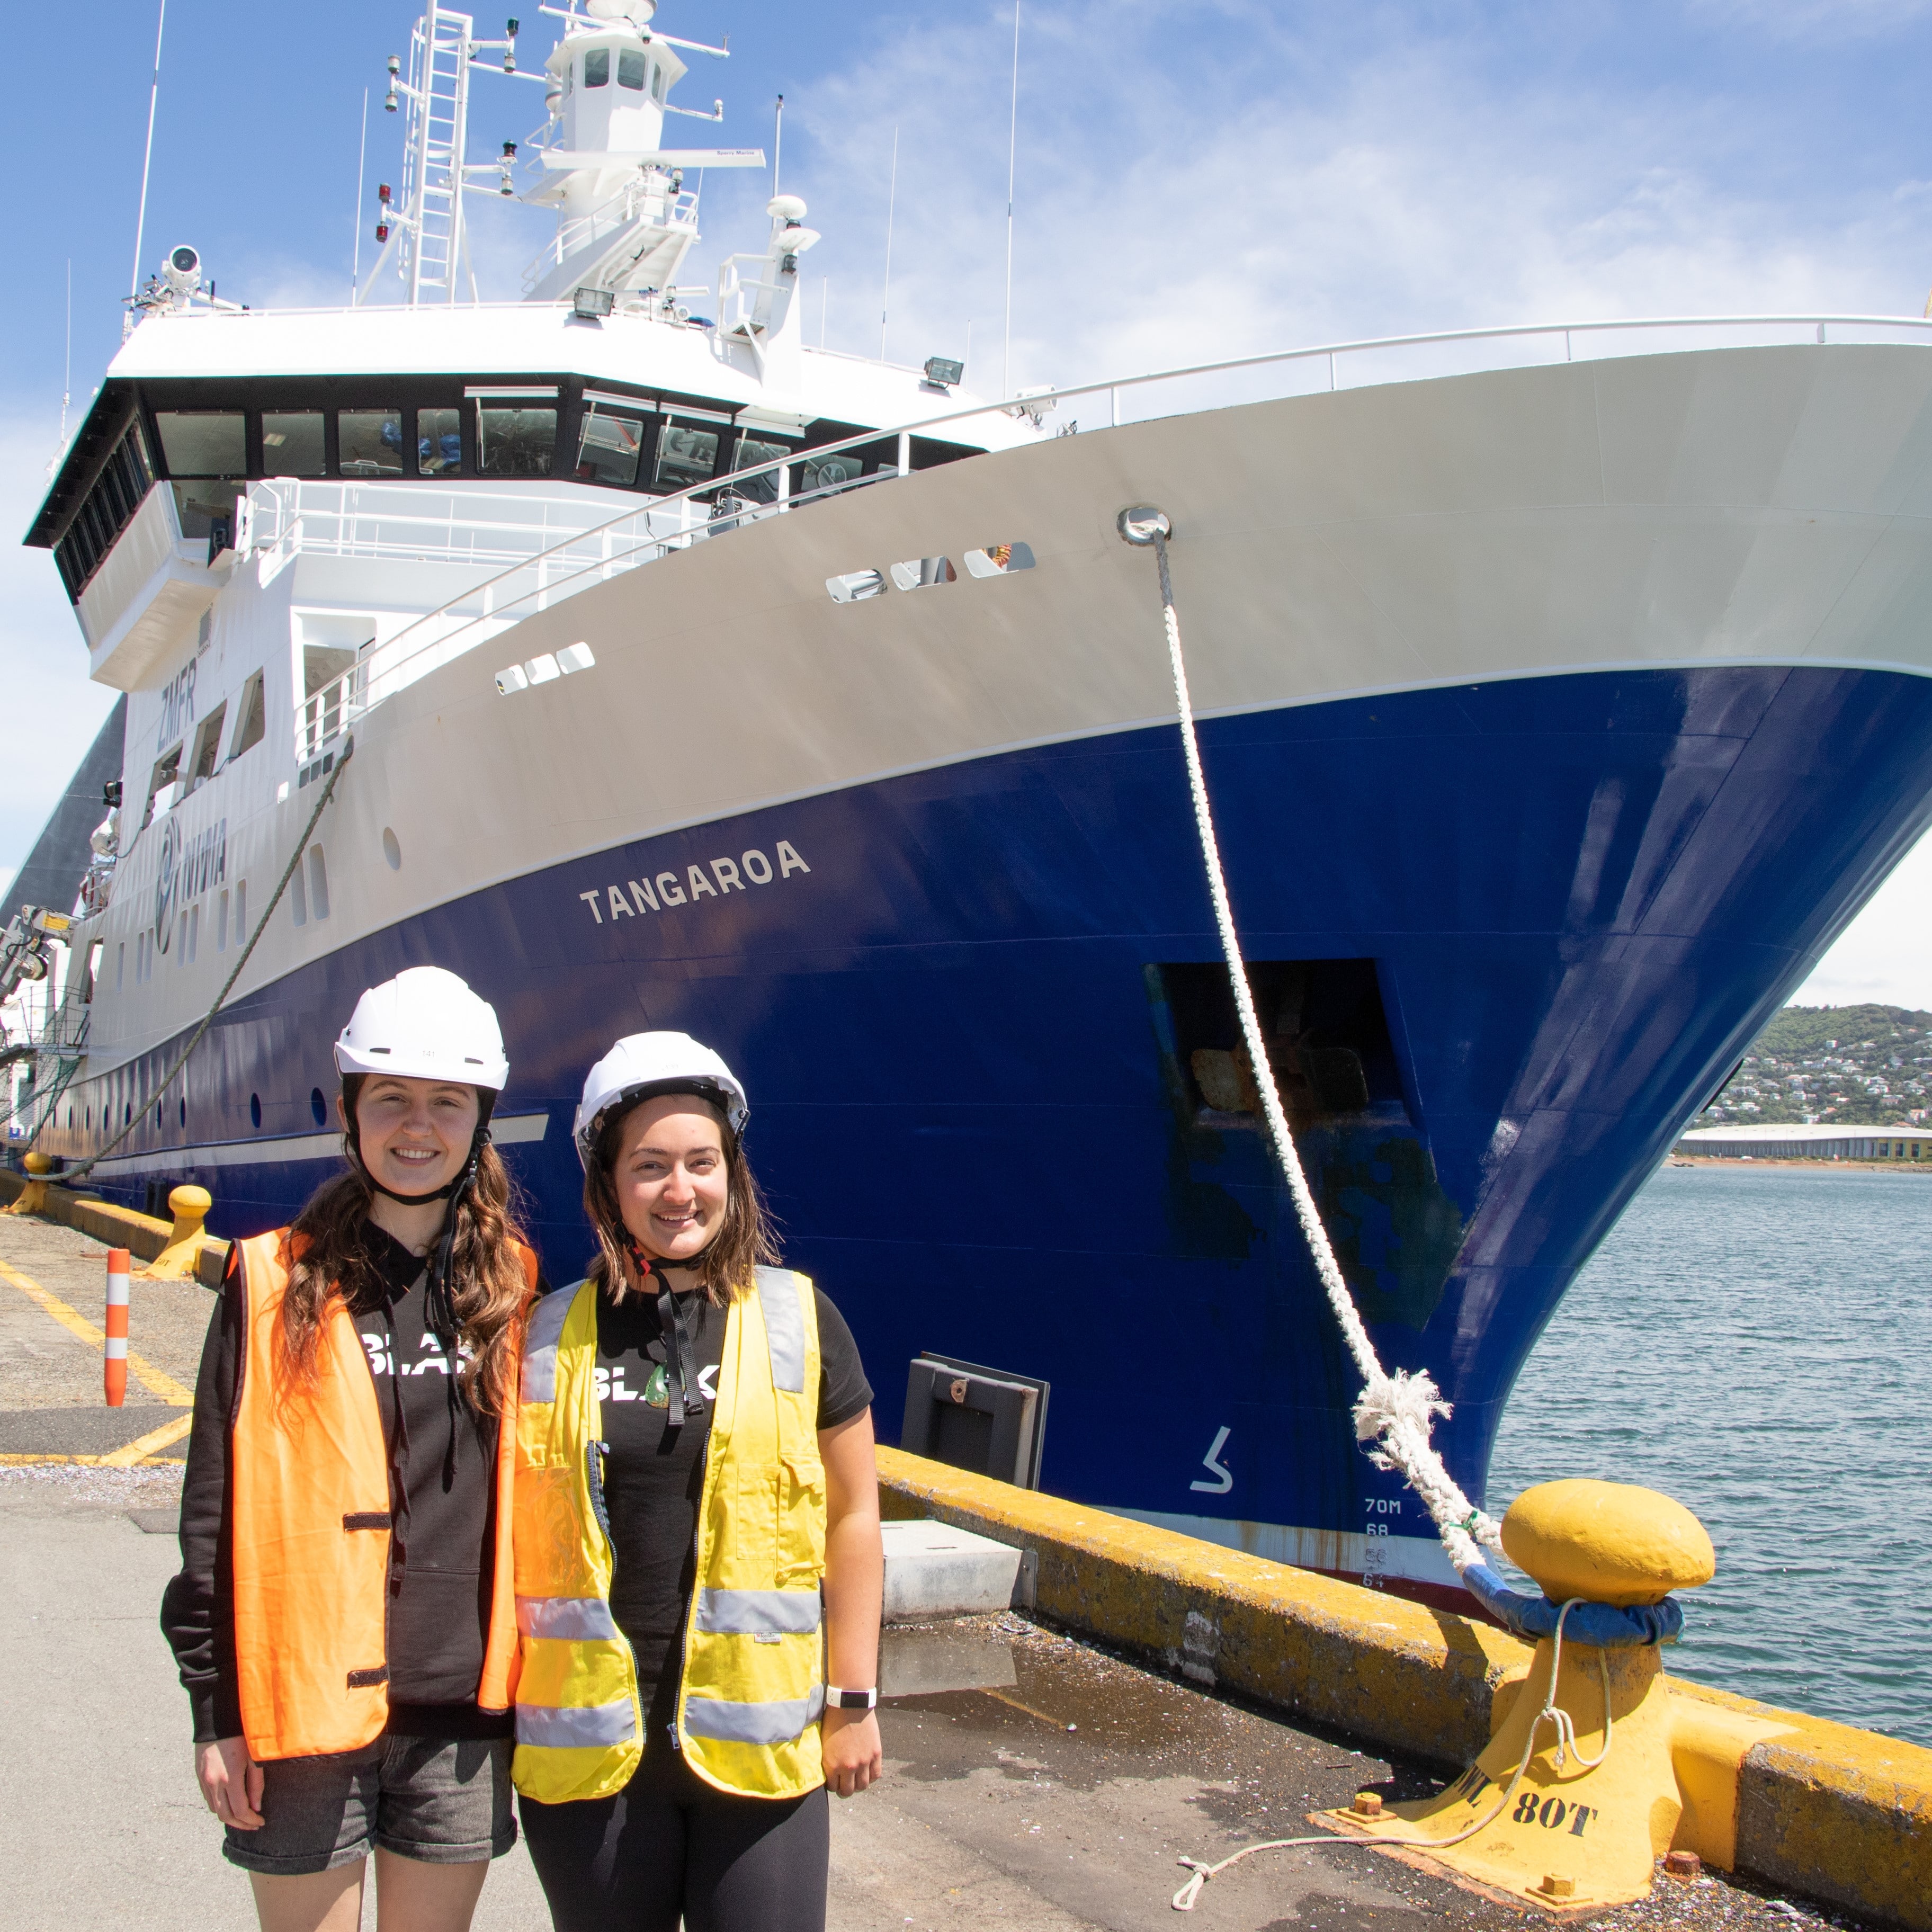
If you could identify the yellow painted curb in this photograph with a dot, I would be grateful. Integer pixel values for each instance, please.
(1837, 1814)
(142, 1235)
(1378, 1667)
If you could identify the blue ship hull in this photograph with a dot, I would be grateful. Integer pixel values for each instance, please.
(1509, 937)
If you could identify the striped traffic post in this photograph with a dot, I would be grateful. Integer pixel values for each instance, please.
(114, 1368)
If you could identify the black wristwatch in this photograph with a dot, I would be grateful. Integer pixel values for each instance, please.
(836, 1699)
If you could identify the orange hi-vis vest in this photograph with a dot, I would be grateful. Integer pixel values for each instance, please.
(311, 1508)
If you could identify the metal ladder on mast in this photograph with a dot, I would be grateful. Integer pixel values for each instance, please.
(434, 245)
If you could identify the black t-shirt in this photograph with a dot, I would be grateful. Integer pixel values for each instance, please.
(654, 1475)
(445, 1455)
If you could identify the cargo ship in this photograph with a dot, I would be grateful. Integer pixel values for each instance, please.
(1563, 692)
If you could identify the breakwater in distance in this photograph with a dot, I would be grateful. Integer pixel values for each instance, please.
(1756, 1341)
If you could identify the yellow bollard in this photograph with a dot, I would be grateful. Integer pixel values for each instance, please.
(178, 1261)
(33, 1198)
(1576, 1822)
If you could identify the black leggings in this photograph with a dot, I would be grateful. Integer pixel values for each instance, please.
(669, 1845)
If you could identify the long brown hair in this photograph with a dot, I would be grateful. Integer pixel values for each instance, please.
(330, 1256)
(745, 1240)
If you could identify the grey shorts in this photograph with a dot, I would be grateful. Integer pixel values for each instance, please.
(447, 1803)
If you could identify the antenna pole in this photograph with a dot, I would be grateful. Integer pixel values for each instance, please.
(154, 98)
(892, 202)
(67, 377)
(778, 143)
(1013, 149)
(362, 156)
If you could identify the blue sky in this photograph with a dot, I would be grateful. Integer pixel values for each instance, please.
(1195, 180)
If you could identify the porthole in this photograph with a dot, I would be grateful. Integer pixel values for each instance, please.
(999, 560)
(318, 1106)
(255, 1111)
(184, 1110)
(392, 850)
(856, 585)
(920, 573)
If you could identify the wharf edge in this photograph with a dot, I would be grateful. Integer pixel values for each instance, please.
(1839, 1815)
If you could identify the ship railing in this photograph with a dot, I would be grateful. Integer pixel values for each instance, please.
(678, 211)
(407, 522)
(638, 537)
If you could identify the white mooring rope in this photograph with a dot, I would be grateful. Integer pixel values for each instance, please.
(1394, 1412)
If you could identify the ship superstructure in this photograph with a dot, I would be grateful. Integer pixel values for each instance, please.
(1558, 715)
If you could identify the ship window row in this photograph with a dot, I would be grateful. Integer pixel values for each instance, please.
(105, 511)
(613, 442)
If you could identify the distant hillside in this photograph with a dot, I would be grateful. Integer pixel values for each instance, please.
(1844, 1065)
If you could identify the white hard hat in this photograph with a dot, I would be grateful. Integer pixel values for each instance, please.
(642, 1064)
(425, 1024)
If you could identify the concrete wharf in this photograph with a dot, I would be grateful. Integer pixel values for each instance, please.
(1057, 1797)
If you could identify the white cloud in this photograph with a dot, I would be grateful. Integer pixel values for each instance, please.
(43, 659)
(1326, 189)
(1884, 954)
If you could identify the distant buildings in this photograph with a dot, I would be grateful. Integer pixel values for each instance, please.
(1806, 1141)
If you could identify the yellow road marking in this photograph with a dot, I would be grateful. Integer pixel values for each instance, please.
(129, 1453)
(157, 1380)
(13, 1460)
(1057, 1723)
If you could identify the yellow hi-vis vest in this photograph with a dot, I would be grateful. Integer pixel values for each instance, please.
(754, 1682)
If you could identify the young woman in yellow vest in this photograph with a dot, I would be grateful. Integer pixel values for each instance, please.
(344, 1620)
(696, 1537)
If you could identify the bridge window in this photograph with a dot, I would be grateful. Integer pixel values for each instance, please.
(291, 443)
(597, 67)
(439, 442)
(657, 82)
(750, 450)
(369, 442)
(514, 442)
(631, 67)
(106, 511)
(832, 472)
(204, 442)
(685, 455)
(609, 449)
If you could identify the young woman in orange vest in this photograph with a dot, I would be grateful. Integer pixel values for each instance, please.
(344, 1619)
(696, 1537)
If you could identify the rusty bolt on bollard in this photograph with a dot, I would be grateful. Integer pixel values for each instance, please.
(1684, 1865)
(1367, 1804)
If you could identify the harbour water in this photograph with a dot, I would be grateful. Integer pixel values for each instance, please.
(1757, 1342)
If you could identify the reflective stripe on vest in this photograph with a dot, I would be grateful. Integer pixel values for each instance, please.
(309, 1501)
(753, 1724)
(576, 1727)
(752, 1688)
(565, 1616)
(758, 1613)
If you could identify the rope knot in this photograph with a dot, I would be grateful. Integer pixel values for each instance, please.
(1183, 1899)
(1390, 1402)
